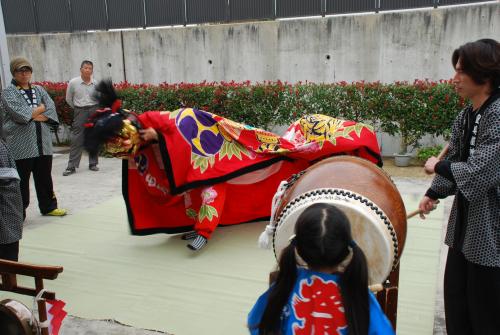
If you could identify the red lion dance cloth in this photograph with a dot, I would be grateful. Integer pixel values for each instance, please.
(206, 170)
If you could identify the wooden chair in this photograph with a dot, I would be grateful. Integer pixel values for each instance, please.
(9, 271)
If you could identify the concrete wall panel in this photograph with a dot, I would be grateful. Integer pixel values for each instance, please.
(57, 57)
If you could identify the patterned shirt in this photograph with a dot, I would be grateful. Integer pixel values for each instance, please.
(11, 206)
(478, 181)
(80, 94)
(20, 131)
(315, 307)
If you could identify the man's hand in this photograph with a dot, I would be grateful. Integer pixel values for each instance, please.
(430, 165)
(426, 206)
(41, 118)
(148, 134)
(37, 111)
(41, 108)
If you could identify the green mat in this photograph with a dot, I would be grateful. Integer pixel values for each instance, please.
(155, 282)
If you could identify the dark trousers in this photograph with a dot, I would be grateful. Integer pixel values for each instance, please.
(9, 251)
(41, 167)
(471, 297)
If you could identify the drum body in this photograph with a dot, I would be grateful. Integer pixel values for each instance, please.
(367, 196)
(16, 318)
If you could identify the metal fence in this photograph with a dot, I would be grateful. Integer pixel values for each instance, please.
(43, 16)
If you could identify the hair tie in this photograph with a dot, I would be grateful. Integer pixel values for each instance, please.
(352, 244)
(292, 240)
(347, 260)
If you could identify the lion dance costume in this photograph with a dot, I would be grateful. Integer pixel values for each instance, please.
(206, 170)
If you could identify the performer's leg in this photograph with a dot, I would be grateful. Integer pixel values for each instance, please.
(213, 198)
(209, 214)
(455, 295)
(483, 296)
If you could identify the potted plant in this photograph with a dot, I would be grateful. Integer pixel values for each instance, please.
(410, 133)
(402, 116)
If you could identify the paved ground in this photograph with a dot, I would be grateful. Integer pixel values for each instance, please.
(87, 189)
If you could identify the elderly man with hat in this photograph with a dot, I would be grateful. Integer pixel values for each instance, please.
(29, 114)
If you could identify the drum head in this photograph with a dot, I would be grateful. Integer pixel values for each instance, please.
(371, 229)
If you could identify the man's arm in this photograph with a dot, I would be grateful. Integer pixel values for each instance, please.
(70, 93)
(442, 186)
(41, 118)
(49, 106)
(38, 112)
(17, 109)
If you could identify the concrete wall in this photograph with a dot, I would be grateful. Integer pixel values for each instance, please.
(386, 47)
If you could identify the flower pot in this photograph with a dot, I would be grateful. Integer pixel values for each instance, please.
(402, 160)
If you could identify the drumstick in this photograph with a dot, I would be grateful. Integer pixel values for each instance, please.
(444, 151)
(440, 157)
(417, 211)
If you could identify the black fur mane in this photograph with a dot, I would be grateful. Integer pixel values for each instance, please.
(103, 124)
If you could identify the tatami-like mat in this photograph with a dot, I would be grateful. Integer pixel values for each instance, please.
(155, 282)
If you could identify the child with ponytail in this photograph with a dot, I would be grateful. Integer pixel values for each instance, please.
(322, 283)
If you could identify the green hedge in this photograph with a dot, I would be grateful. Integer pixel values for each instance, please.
(410, 110)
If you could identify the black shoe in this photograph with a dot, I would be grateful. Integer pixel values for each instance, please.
(93, 168)
(69, 171)
(189, 236)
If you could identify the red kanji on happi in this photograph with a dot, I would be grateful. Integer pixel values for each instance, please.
(319, 308)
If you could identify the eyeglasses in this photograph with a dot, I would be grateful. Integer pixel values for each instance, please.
(23, 70)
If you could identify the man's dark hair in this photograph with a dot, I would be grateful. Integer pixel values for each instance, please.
(87, 62)
(480, 60)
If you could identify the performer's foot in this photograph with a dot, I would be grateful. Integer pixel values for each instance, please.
(189, 236)
(198, 243)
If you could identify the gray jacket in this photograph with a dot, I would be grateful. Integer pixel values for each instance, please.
(11, 205)
(478, 179)
(20, 130)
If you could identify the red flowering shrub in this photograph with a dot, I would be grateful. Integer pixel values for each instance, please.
(408, 109)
